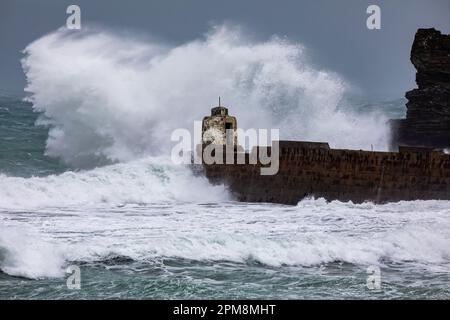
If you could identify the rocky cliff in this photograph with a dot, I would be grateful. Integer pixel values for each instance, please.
(427, 121)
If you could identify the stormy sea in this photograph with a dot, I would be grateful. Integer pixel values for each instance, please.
(86, 179)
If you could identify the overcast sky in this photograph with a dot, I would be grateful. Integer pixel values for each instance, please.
(335, 33)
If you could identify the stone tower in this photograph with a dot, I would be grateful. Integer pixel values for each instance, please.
(219, 128)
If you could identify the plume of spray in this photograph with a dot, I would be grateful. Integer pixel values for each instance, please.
(106, 97)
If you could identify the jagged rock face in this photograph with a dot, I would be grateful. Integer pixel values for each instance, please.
(427, 120)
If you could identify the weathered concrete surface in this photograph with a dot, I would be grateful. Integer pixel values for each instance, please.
(412, 173)
(427, 121)
(214, 127)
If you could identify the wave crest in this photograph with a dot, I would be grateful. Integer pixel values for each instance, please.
(107, 97)
(142, 181)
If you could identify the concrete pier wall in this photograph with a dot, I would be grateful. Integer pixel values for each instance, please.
(307, 169)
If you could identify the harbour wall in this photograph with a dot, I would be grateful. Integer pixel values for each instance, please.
(308, 169)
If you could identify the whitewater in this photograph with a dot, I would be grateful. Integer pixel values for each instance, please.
(86, 178)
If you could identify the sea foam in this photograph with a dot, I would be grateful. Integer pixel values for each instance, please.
(147, 180)
(412, 234)
(112, 97)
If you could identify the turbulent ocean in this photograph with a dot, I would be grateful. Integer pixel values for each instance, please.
(86, 179)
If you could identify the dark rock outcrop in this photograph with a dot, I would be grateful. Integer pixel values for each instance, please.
(427, 121)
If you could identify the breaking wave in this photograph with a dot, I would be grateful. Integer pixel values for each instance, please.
(111, 103)
(147, 180)
(23, 253)
(312, 234)
(109, 97)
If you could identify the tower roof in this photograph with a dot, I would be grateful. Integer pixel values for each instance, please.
(219, 111)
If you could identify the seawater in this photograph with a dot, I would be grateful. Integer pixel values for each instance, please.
(85, 179)
(149, 229)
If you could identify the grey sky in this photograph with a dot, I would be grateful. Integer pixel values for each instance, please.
(334, 31)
